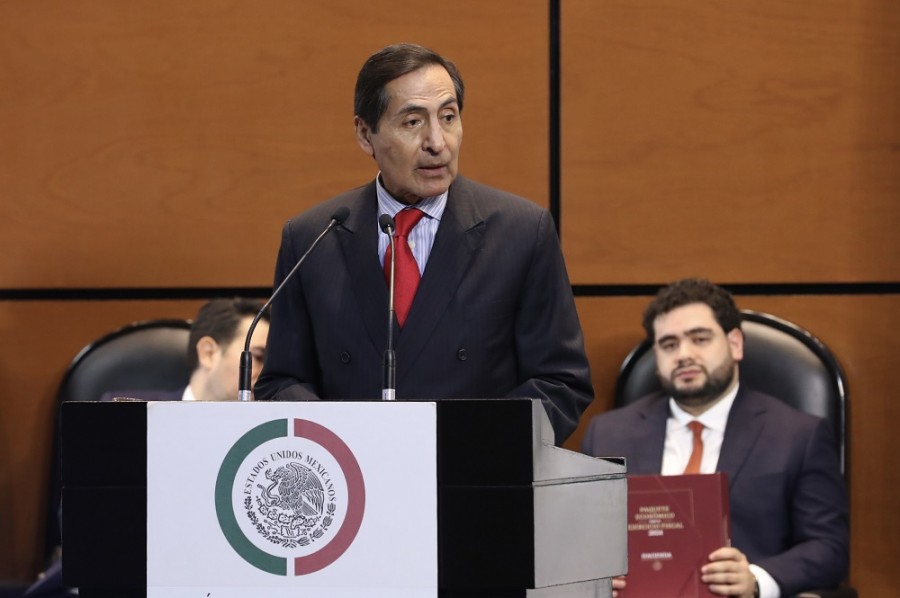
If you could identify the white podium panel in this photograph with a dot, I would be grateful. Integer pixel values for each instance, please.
(278, 500)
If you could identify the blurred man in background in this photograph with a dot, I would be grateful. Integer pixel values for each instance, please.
(214, 350)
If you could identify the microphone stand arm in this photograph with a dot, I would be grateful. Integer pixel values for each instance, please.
(245, 392)
(389, 390)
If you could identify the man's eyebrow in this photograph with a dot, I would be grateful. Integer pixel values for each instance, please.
(415, 108)
(691, 332)
(409, 109)
(699, 330)
(668, 337)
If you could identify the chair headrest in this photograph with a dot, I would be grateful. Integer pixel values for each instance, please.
(143, 355)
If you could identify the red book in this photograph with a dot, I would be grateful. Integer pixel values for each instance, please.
(674, 523)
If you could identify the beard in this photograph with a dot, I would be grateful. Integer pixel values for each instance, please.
(717, 382)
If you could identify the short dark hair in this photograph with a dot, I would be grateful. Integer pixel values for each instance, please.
(693, 290)
(370, 100)
(219, 319)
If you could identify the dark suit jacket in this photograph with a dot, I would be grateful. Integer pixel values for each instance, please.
(494, 314)
(789, 511)
(145, 395)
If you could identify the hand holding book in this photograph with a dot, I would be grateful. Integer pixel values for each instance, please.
(675, 524)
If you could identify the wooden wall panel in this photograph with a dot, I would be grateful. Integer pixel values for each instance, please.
(40, 338)
(747, 141)
(152, 144)
(861, 332)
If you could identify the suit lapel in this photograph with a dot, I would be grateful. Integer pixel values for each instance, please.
(459, 237)
(359, 245)
(745, 423)
(649, 440)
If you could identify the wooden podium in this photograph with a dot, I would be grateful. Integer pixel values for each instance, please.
(449, 499)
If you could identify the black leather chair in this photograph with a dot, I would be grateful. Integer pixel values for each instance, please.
(140, 356)
(780, 359)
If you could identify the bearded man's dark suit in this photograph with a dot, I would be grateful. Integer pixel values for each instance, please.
(493, 316)
(789, 512)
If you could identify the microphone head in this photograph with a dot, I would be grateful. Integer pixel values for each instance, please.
(386, 223)
(340, 215)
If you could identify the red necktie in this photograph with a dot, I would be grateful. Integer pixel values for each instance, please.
(693, 465)
(406, 270)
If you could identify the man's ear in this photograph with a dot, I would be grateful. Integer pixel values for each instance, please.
(363, 135)
(207, 350)
(736, 343)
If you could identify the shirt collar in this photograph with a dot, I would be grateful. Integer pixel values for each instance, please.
(432, 206)
(715, 417)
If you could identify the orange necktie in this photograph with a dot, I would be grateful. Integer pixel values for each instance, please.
(693, 465)
(406, 270)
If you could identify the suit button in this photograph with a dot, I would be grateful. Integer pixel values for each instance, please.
(345, 357)
(462, 355)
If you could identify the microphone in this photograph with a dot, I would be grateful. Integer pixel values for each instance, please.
(246, 365)
(389, 388)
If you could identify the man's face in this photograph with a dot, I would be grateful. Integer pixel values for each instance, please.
(417, 143)
(695, 360)
(226, 362)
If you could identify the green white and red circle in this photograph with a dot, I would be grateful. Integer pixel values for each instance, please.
(339, 542)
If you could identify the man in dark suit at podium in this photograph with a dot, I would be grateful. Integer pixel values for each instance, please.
(484, 307)
(789, 513)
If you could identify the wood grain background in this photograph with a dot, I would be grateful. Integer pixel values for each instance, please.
(150, 151)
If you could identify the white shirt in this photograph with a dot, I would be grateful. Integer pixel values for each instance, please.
(680, 439)
(680, 444)
(421, 237)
